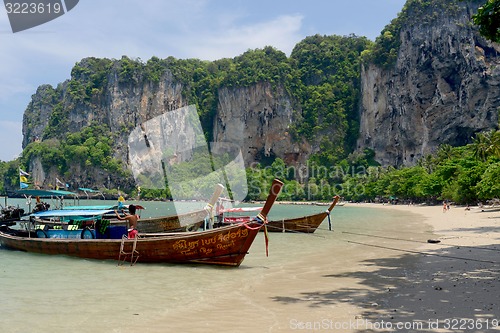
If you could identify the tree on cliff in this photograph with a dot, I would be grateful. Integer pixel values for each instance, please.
(488, 20)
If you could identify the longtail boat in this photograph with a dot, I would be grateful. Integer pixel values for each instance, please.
(221, 246)
(9, 215)
(190, 221)
(305, 224)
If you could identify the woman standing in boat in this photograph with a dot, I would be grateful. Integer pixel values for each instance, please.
(132, 219)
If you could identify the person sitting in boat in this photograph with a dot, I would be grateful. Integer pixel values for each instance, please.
(219, 213)
(121, 202)
(40, 206)
(132, 219)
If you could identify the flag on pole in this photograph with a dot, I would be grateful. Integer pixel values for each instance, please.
(59, 182)
(23, 179)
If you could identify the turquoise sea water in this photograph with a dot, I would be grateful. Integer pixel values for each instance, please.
(43, 293)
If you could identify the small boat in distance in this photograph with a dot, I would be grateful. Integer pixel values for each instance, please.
(305, 224)
(10, 214)
(221, 246)
(91, 193)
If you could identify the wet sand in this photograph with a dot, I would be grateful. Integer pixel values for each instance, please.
(454, 284)
(376, 272)
(382, 281)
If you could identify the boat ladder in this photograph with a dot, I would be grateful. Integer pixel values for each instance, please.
(134, 254)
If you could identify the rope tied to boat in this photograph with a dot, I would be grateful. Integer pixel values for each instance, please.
(262, 219)
(209, 207)
(329, 220)
(251, 228)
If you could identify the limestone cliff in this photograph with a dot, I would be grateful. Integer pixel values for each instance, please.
(118, 106)
(257, 119)
(443, 88)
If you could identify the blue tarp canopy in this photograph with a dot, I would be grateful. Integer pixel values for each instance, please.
(70, 213)
(88, 190)
(46, 193)
(94, 207)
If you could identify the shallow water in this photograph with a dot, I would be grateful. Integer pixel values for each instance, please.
(42, 293)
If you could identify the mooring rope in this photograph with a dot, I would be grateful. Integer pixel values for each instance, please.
(263, 219)
(424, 253)
(418, 241)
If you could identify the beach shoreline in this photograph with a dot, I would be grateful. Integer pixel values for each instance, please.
(384, 276)
(455, 281)
(376, 270)
(386, 280)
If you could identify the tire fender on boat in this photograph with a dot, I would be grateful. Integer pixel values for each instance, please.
(87, 233)
(41, 234)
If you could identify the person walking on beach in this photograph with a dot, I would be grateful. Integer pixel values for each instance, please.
(132, 219)
(445, 207)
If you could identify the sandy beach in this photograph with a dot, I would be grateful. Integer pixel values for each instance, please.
(438, 272)
(453, 285)
(375, 272)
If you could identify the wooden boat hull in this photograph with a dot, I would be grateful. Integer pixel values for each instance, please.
(222, 246)
(306, 224)
(192, 221)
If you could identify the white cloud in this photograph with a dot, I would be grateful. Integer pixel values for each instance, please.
(282, 32)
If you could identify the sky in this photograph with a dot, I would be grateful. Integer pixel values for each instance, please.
(203, 29)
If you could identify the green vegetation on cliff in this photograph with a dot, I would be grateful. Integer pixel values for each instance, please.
(488, 20)
(328, 89)
(90, 149)
(384, 51)
(321, 78)
(464, 175)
